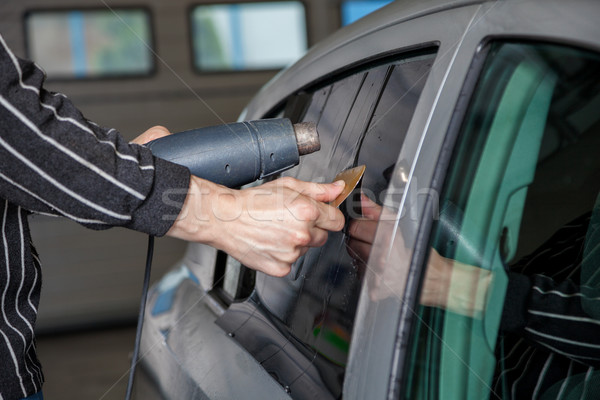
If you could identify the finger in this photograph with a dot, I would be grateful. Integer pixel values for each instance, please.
(278, 269)
(318, 237)
(156, 132)
(370, 209)
(329, 218)
(362, 229)
(303, 251)
(324, 192)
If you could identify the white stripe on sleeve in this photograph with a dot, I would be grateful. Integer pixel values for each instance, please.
(3, 306)
(563, 340)
(542, 375)
(18, 67)
(566, 317)
(68, 151)
(88, 130)
(60, 186)
(64, 213)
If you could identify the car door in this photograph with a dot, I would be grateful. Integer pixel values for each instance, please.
(526, 171)
(464, 368)
(299, 327)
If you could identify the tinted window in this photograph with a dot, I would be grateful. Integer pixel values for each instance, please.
(248, 36)
(361, 118)
(90, 43)
(389, 124)
(509, 299)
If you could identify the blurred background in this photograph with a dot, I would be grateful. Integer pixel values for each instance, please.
(129, 65)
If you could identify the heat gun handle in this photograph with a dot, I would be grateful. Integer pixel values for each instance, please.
(232, 154)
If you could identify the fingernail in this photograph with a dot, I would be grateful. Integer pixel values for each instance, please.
(339, 183)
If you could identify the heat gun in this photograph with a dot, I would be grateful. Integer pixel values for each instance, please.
(239, 153)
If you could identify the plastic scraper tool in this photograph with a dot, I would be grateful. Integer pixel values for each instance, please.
(351, 177)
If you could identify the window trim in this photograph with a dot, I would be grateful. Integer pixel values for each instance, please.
(404, 337)
(190, 36)
(351, 69)
(152, 72)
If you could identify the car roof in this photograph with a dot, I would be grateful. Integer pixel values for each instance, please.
(316, 64)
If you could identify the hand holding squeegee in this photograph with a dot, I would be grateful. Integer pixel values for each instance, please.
(266, 227)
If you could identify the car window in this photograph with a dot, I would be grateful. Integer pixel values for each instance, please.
(248, 36)
(80, 44)
(508, 296)
(361, 118)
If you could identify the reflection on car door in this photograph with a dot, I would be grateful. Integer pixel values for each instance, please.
(519, 314)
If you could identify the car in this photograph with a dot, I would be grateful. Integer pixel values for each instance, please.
(478, 125)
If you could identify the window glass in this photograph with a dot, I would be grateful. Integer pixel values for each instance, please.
(90, 43)
(509, 304)
(248, 36)
(361, 119)
(353, 10)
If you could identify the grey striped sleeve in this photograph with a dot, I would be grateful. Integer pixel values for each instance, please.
(551, 314)
(55, 161)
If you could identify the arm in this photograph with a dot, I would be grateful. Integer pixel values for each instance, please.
(551, 314)
(448, 284)
(55, 161)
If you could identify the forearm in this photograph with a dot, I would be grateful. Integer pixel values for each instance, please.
(455, 286)
(57, 162)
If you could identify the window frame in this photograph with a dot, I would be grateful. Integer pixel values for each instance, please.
(421, 251)
(190, 35)
(152, 72)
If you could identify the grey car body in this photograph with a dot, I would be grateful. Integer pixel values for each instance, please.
(188, 355)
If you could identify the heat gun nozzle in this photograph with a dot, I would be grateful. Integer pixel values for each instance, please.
(307, 137)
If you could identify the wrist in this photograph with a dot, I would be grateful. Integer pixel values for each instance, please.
(197, 219)
(468, 289)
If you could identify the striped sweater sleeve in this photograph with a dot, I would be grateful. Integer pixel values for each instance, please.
(56, 161)
(556, 315)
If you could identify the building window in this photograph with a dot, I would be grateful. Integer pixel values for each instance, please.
(81, 44)
(248, 36)
(353, 10)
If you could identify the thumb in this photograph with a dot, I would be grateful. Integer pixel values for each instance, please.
(370, 209)
(156, 132)
(324, 192)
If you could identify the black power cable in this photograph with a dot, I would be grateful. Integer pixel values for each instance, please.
(138, 333)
